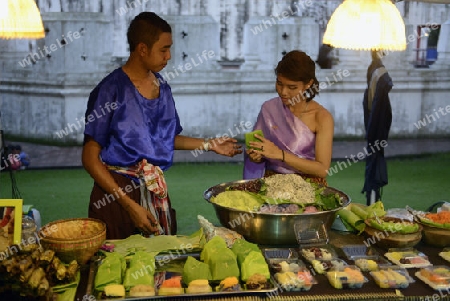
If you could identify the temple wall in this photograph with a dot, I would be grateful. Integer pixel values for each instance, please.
(231, 47)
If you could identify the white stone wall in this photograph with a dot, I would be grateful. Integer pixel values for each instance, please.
(47, 99)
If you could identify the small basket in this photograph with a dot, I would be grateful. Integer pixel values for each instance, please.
(80, 248)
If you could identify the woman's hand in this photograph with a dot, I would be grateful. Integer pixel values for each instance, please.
(225, 146)
(264, 149)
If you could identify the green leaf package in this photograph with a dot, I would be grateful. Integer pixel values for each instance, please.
(221, 260)
(194, 269)
(254, 263)
(250, 137)
(141, 270)
(110, 271)
(214, 244)
(242, 248)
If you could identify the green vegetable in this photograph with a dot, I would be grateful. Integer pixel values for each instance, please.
(359, 211)
(393, 227)
(250, 137)
(351, 219)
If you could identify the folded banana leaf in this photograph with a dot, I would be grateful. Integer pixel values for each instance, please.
(214, 245)
(250, 137)
(252, 264)
(195, 269)
(60, 288)
(141, 270)
(242, 248)
(351, 221)
(110, 271)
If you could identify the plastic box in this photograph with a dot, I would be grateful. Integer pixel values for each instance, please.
(300, 281)
(320, 252)
(392, 277)
(437, 277)
(347, 277)
(407, 258)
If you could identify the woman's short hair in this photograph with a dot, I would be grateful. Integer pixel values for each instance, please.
(146, 28)
(296, 65)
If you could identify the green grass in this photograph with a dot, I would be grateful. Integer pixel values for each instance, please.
(417, 182)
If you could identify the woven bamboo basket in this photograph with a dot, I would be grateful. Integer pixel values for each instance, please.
(76, 238)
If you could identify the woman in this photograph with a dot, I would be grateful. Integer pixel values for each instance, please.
(298, 132)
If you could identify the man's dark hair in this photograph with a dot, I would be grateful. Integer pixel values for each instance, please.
(298, 66)
(146, 28)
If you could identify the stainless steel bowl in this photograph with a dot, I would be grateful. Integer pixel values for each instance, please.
(270, 228)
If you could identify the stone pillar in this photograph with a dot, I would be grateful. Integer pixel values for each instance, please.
(443, 47)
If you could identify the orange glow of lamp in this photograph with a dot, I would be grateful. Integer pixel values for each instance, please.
(366, 25)
(20, 19)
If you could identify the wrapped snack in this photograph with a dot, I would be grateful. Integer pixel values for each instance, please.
(257, 282)
(212, 246)
(242, 248)
(254, 263)
(194, 269)
(140, 271)
(223, 264)
(110, 271)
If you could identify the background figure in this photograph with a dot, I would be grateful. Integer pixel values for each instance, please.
(377, 122)
(324, 59)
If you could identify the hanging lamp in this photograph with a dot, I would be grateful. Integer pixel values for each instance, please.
(366, 25)
(20, 19)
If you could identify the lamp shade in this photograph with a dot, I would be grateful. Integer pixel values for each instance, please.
(20, 19)
(366, 25)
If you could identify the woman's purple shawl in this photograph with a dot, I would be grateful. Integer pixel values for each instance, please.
(287, 131)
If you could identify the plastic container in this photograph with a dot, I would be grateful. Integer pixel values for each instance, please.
(347, 277)
(407, 258)
(277, 265)
(300, 281)
(29, 234)
(392, 277)
(320, 252)
(359, 250)
(322, 266)
(437, 277)
(370, 263)
(445, 253)
(287, 253)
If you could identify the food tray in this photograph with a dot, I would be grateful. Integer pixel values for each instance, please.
(359, 250)
(391, 277)
(437, 277)
(96, 261)
(287, 253)
(349, 276)
(319, 252)
(407, 258)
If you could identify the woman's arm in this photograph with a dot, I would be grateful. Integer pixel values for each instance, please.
(142, 219)
(223, 146)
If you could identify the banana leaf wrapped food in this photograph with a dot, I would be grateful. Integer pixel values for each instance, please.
(194, 270)
(110, 271)
(242, 248)
(221, 260)
(141, 270)
(254, 263)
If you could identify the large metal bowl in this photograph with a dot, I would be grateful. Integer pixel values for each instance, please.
(271, 228)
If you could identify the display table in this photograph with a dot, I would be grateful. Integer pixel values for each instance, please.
(323, 290)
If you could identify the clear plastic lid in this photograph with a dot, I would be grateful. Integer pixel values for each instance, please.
(319, 252)
(437, 277)
(392, 277)
(407, 257)
(349, 276)
(358, 250)
(312, 234)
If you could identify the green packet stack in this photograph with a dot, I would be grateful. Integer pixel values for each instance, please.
(194, 269)
(141, 270)
(254, 263)
(110, 271)
(221, 260)
(242, 248)
(250, 137)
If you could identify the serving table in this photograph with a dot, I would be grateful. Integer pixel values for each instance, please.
(417, 291)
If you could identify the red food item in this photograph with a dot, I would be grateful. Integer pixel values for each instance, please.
(174, 282)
